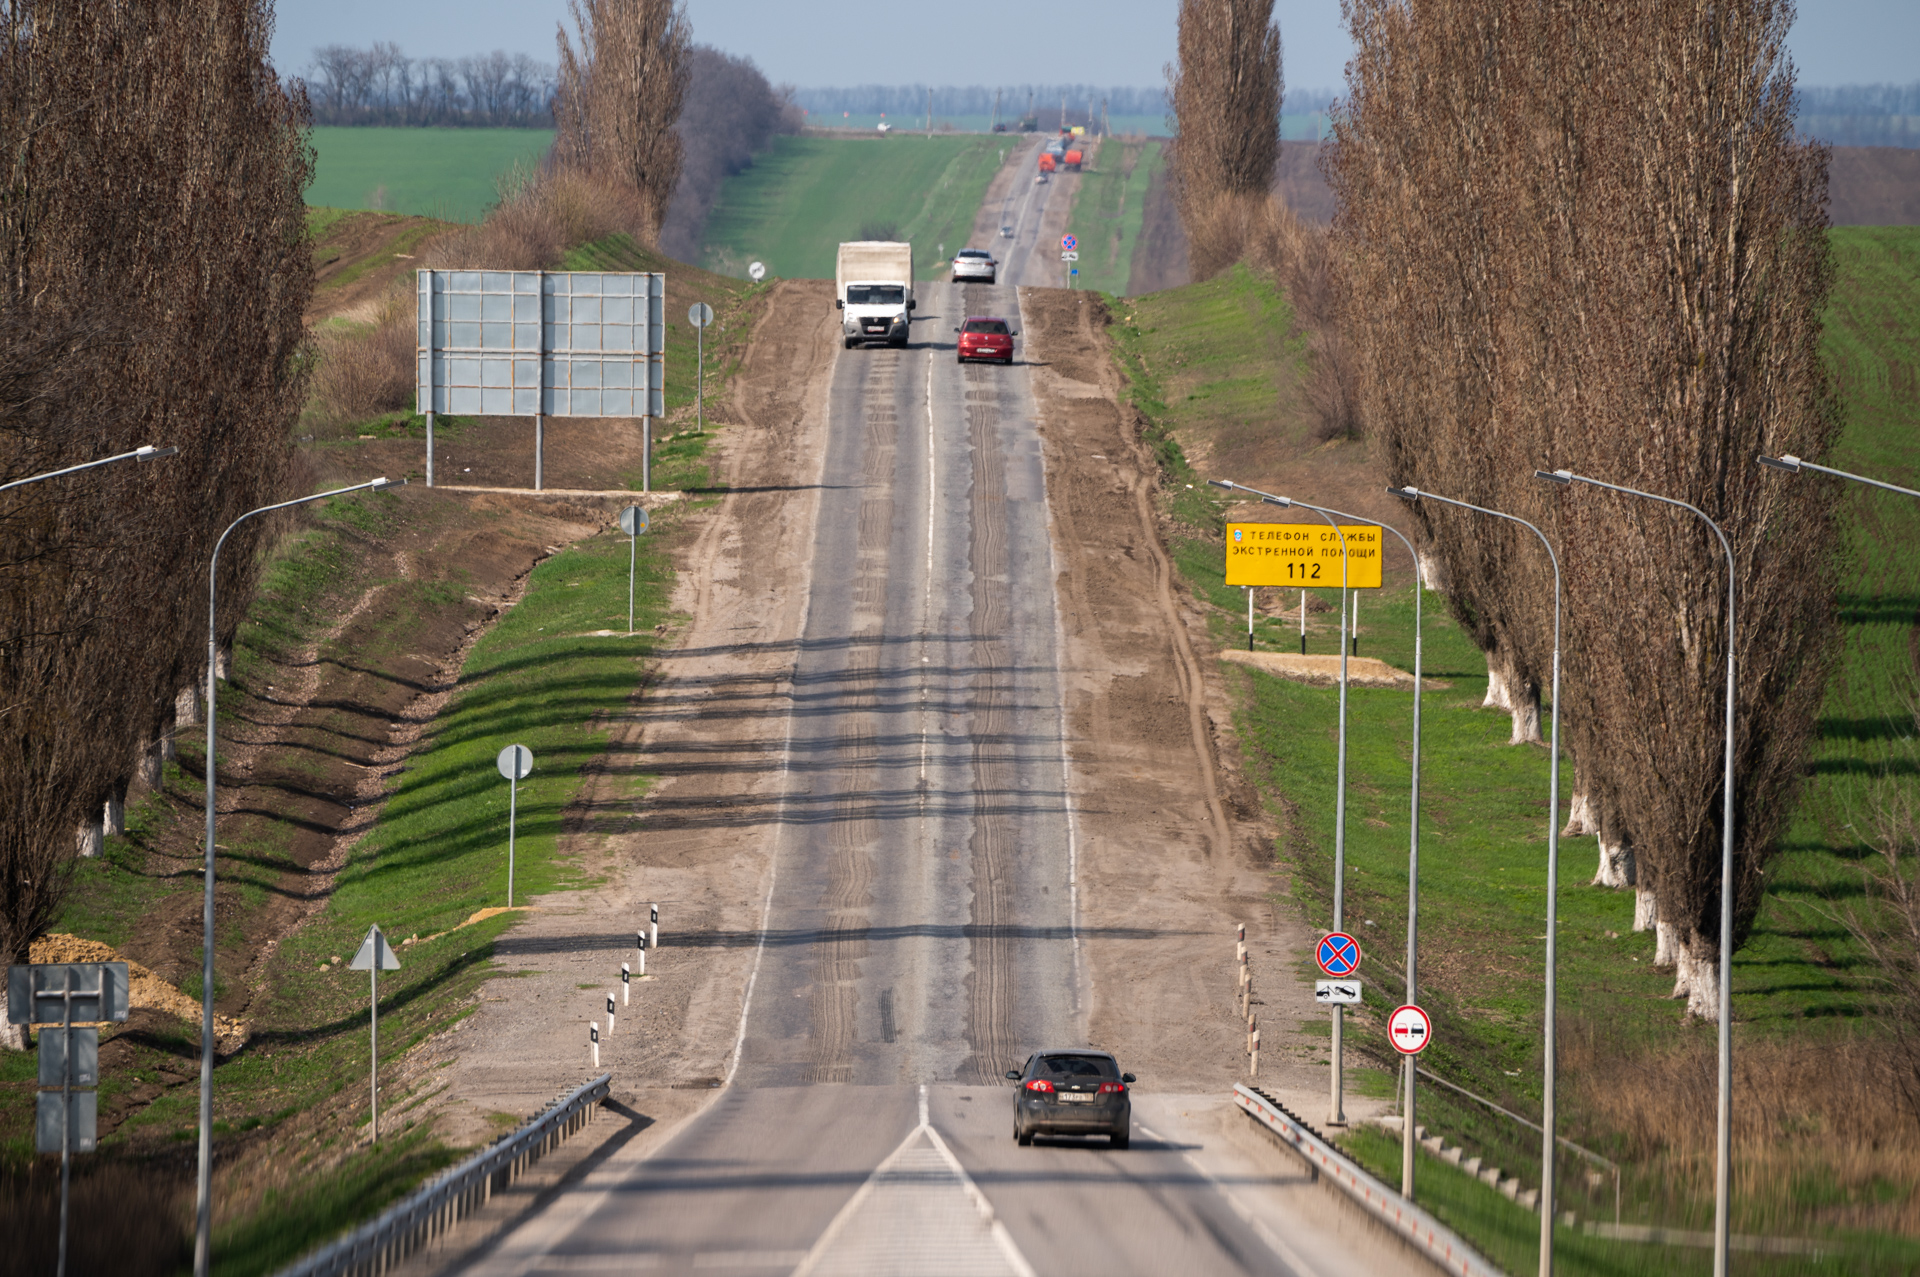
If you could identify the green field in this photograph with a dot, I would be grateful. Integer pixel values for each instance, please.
(801, 199)
(1636, 1076)
(451, 174)
(1109, 209)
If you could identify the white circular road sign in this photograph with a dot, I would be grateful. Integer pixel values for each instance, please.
(699, 314)
(757, 271)
(1409, 1029)
(515, 762)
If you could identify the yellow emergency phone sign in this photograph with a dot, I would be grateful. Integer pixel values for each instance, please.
(1302, 554)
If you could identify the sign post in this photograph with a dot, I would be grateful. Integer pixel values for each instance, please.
(1067, 254)
(375, 956)
(700, 315)
(67, 1106)
(633, 521)
(516, 764)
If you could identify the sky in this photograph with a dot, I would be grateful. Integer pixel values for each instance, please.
(1114, 42)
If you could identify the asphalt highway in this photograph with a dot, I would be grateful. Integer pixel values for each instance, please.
(921, 933)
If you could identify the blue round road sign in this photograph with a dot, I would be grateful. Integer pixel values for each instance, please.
(1069, 243)
(1338, 955)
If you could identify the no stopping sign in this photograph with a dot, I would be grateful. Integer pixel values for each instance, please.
(1409, 1030)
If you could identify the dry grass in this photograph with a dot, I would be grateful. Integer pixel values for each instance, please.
(362, 374)
(1260, 230)
(1821, 1135)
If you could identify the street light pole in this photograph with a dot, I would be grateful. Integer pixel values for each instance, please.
(146, 452)
(1550, 1063)
(1794, 465)
(1723, 1152)
(1336, 1113)
(203, 1224)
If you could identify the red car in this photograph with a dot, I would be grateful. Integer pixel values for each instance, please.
(982, 337)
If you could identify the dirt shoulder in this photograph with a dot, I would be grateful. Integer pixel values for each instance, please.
(712, 714)
(1173, 835)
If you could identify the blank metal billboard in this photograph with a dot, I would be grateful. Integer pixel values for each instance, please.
(541, 343)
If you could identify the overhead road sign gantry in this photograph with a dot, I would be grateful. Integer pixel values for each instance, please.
(1303, 554)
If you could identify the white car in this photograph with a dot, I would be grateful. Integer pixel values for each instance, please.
(975, 264)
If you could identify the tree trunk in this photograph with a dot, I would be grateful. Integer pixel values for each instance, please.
(147, 765)
(89, 839)
(114, 821)
(1581, 818)
(186, 707)
(223, 663)
(1646, 909)
(1432, 572)
(1697, 975)
(1616, 867)
(13, 1037)
(1507, 690)
(169, 749)
(1497, 695)
(1666, 945)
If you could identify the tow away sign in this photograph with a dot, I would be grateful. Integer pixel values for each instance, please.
(1345, 993)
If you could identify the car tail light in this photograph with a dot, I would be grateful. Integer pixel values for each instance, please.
(1113, 1088)
(1040, 1084)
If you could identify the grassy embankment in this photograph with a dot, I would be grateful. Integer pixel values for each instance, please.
(448, 174)
(1633, 1071)
(795, 205)
(1108, 210)
(435, 857)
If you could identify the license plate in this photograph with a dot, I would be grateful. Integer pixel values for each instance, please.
(1075, 1097)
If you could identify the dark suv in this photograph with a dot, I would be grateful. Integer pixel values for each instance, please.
(1072, 1092)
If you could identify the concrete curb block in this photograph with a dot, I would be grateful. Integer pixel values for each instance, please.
(1422, 1231)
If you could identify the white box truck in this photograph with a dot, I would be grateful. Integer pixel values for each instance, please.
(873, 290)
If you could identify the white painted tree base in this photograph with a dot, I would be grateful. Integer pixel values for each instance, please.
(1616, 867)
(1646, 910)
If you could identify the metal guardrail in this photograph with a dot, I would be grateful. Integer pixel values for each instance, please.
(437, 1206)
(1421, 1230)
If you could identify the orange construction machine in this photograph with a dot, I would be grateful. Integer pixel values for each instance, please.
(1046, 162)
(1071, 160)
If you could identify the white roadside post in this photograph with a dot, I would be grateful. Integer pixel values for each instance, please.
(653, 927)
(516, 764)
(626, 985)
(640, 947)
(633, 521)
(1723, 1156)
(1303, 622)
(1549, 1032)
(375, 956)
(203, 1208)
(609, 1015)
(593, 1040)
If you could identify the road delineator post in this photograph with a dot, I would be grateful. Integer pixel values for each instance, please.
(593, 1040)
(653, 928)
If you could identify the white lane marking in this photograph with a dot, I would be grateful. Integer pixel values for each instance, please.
(748, 1258)
(926, 599)
(1060, 696)
(1002, 1240)
(786, 790)
(1288, 1255)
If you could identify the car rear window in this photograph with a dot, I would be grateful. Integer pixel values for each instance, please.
(973, 252)
(1077, 1066)
(995, 326)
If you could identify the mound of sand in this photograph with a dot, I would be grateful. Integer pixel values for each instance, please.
(1362, 671)
(147, 989)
